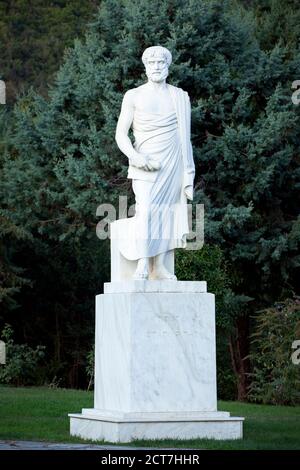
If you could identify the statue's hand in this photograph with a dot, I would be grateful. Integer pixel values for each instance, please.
(153, 165)
(144, 162)
(189, 192)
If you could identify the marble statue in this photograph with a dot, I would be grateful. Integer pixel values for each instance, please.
(161, 166)
(155, 338)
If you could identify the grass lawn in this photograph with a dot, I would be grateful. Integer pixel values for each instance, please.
(38, 413)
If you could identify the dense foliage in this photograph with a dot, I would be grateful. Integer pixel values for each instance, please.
(275, 377)
(277, 21)
(11, 276)
(63, 162)
(33, 35)
(23, 363)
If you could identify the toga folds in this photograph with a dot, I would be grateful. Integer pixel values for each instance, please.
(160, 222)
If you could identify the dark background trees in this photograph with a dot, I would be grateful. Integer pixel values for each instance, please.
(60, 162)
(33, 35)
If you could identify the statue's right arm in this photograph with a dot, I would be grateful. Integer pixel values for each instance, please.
(123, 126)
(123, 141)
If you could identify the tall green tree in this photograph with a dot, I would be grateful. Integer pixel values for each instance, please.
(11, 276)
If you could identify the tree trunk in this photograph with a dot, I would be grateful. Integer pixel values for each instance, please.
(239, 350)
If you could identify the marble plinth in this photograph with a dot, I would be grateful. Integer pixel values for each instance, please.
(155, 365)
(155, 286)
(98, 427)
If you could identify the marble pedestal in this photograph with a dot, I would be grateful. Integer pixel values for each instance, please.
(155, 365)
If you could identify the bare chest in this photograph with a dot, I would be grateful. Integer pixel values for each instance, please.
(154, 102)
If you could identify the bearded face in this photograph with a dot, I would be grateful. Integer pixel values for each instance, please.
(157, 68)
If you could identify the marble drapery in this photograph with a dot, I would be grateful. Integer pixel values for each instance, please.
(160, 223)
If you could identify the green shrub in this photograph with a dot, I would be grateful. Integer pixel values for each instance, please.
(205, 264)
(275, 379)
(22, 362)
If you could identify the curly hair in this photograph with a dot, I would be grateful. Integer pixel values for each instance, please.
(155, 51)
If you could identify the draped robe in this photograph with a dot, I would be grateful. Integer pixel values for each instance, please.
(160, 223)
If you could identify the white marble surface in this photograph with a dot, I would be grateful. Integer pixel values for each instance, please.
(155, 352)
(155, 286)
(161, 165)
(96, 429)
(122, 269)
(155, 374)
(118, 416)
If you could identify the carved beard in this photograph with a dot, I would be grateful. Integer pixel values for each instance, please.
(157, 77)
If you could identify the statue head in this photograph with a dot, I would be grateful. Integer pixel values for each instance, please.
(157, 60)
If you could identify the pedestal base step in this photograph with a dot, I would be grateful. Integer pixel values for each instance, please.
(155, 286)
(126, 427)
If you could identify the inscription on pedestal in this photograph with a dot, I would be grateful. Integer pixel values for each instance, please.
(171, 319)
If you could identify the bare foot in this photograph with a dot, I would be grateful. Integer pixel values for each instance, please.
(140, 275)
(142, 270)
(162, 273)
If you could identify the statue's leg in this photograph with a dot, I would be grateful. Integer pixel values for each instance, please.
(142, 191)
(142, 270)
(161, 271)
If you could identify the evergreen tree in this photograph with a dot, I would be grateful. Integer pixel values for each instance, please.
(11, 276)
(277, 21)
